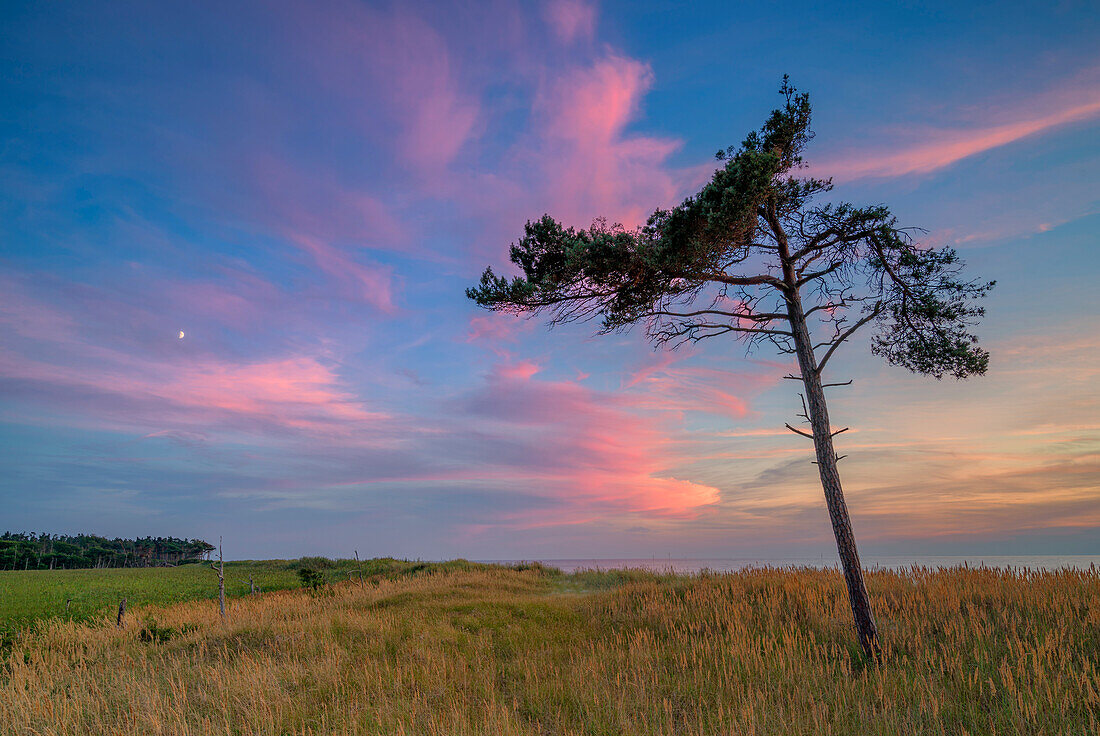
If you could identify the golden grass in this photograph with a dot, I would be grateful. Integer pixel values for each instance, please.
(520, 652)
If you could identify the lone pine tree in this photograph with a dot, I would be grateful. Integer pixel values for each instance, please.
(755, 256)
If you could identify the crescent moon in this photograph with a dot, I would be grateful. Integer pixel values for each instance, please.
(181, 334)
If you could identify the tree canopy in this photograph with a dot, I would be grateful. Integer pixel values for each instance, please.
(729, 259)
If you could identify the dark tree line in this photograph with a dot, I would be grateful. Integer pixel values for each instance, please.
(23, 551)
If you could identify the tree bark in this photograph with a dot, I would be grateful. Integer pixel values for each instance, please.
(817, 412)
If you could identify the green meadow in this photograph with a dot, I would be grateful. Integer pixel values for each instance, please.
(88, 595)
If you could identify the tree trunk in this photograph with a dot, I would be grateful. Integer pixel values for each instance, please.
(818, 414)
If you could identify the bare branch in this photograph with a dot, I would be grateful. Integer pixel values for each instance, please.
(799, 431)
(834, 434)
(763, 317)
(843, 383)
(746, 280)
(848, 333)
(818, 274)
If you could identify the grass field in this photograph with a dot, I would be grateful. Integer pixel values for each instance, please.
(84, 595)
(476, 650)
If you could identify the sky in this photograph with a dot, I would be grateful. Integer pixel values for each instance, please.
(303, 190)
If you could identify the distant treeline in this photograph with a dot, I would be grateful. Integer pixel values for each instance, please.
(22, 551)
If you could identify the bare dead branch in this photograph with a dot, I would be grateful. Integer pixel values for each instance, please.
(799, 431)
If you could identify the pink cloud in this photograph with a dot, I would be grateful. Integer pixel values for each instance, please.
(941, 148)
(571, 19)
(164, 384)
(29, 317)
(296, 393)
(394, 66)
(496, 327)
(591, 166)
(666, 386)
(372, 285)
(318, 204)
(578, 161)
(522, 370)
(592, 450)
(240, 299)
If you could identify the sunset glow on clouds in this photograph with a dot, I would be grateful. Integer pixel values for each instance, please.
(305, 191)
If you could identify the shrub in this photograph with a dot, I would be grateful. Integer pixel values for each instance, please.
(316, 563)
(311, 579)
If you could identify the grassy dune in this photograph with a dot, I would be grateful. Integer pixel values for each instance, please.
(475, 650)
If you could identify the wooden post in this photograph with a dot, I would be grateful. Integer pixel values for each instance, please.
(251, 587)
(67, 602)
(121, 613)
(220, 569)
(360, 565)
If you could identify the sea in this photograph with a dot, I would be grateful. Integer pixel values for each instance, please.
(901, 562)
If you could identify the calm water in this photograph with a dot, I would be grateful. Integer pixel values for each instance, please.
(664, 564)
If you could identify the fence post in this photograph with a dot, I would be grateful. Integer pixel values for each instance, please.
(220, 569)
(121, 613)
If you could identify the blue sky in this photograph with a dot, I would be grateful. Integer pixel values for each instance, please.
(305, 190)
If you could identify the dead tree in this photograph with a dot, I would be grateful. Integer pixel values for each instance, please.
(754, 256)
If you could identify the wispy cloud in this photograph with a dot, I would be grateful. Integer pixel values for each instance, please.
(571, 19)
(593, 451)
(923, 152)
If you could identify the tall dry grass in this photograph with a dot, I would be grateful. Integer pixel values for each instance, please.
(509, 652)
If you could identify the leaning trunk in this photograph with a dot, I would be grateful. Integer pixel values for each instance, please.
(818, 414)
